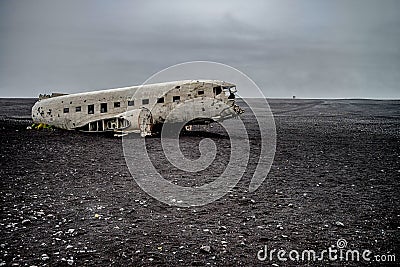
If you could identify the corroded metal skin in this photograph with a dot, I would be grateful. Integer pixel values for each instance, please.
(142, 109)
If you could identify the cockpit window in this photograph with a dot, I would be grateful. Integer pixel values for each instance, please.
(217, 90)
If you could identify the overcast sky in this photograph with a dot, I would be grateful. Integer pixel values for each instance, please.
(307, 48)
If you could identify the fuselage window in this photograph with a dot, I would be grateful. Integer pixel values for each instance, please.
(145, 101)
(160, 100)
(131, 103)
(117, 104)
(78, 109)
(200, 92)
(66, 110)
(176, 98)
(90, 109)
(103, 107)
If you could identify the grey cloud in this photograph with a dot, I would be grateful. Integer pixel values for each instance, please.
(310, 48)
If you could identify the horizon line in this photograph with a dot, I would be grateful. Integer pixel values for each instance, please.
(271, 98)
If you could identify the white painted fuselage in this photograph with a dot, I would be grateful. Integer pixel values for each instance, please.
(140, 108)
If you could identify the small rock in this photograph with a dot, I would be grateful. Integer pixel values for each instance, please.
(205, 249)
(40, 213)
(339, 223)
(26, 221)
(70, 261)
(45, 257)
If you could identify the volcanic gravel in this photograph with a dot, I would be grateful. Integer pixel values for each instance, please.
(67, 198)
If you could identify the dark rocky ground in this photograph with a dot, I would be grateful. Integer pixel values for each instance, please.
(68, 197)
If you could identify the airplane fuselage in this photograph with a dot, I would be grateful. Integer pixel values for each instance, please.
(140, 108)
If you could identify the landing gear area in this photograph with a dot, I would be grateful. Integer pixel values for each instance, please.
(113, 124)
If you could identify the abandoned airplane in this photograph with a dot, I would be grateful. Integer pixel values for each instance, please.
(141, 109)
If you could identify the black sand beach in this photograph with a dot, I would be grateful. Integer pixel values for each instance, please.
(67, 198)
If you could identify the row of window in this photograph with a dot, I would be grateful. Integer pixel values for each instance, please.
(103, 106)
(176, 98)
